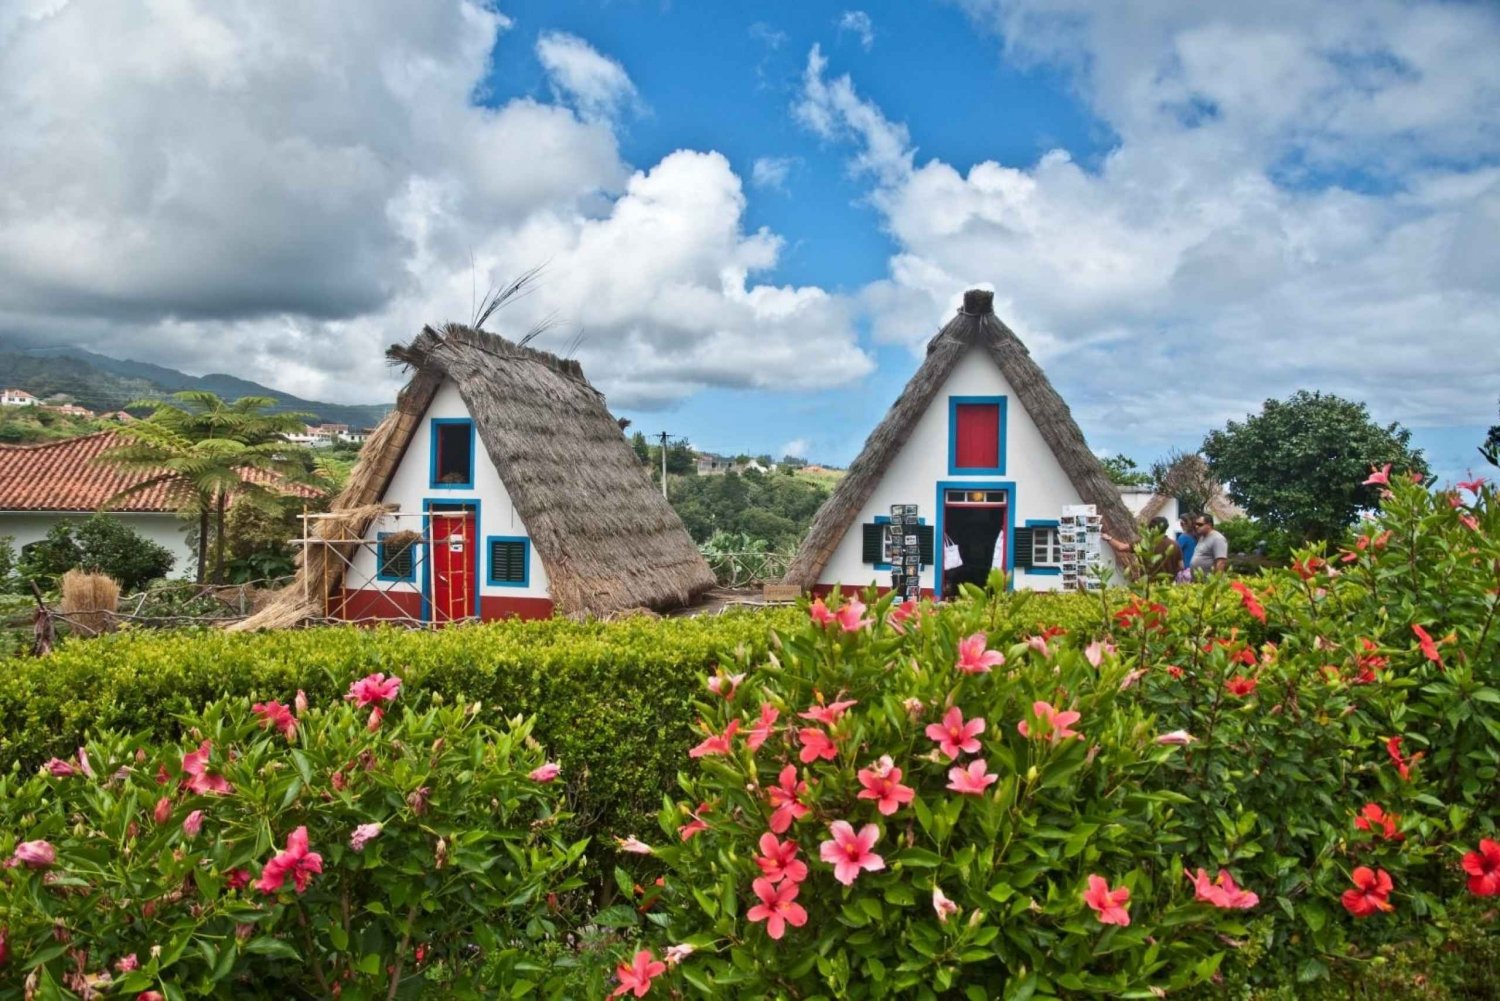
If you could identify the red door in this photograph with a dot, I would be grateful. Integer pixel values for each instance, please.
(453, 565)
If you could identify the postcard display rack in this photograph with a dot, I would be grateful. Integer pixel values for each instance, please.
(1078, 536)
(903, 551)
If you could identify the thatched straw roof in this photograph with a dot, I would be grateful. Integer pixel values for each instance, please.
(607, 538)
(975, 326)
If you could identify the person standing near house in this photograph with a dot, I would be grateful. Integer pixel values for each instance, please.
(1165, 559)
(1211, 553)
(1186, 540)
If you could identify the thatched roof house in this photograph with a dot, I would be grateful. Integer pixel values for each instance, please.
(554, 513)
(982, 446)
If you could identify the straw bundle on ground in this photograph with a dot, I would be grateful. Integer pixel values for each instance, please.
(608, 540)
(975, 325)
(89, 601)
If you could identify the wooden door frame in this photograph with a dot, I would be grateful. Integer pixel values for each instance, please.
(429, 564)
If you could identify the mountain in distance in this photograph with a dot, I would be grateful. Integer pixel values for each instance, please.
(103, 384)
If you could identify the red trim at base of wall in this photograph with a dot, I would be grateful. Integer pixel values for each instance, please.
(824, 590)
(362, 604)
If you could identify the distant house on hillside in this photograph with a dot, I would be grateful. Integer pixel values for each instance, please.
(499, 486)
(980, 449)
(41, 485)
(710, 464)
(17, 398)
(71, 410)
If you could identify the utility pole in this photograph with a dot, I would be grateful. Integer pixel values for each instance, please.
(663, 437)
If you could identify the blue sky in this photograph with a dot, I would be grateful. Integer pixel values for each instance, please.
(752, 217)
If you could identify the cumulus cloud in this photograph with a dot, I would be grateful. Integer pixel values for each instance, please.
(772, 171)
(858, 23)
(282, 193)
(596, 84)
(1295, 199)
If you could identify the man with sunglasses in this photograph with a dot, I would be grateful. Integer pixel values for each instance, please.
(1211, 554)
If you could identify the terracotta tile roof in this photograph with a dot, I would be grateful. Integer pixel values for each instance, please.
(64, 476)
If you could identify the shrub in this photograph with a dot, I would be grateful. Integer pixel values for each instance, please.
(1327, 735)
(101, 544)
(304, 853)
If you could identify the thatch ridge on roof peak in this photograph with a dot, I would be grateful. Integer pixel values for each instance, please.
(975, 326)
(420, 353)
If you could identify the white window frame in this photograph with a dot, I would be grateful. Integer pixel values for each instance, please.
(1046, 540)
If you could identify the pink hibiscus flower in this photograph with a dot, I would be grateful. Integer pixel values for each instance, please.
(1378, 478)
(544, 773)
(882, 783)
(277, 715)
(1224, 893)
(717, 743)
(1053, 723)
(830, 713)
(761, 731)
(777, 907)
(785, 797)
(200, 780)
(820, 614)
(849, 616)
(815, 744)
(973, 780)
(295, 861)
(374, 688)
(975, 658)
(637, 975)
(954, 736)
(849, 853)
(778, 859)
(1108, 904)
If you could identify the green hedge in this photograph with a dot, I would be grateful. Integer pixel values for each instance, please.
(613, 701)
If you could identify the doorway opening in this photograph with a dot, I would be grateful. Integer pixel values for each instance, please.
(975, 520)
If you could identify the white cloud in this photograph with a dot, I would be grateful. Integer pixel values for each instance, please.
(772, 171)
(859, 24)
(285, 193)
(596, 84)
(1297, 198)
(797, 448)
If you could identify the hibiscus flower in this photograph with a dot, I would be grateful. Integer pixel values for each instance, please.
(975, 658)
(1370, 893)
(638, 973)
(761, 731)
(1108, 904)
(274, 714)
(200, 780)
(295, 861)
(1053, 722)
(973, 780)
(777, 907)
(954, 736)
(778, 860)
(849, 853)
(374, 688)
(1374, 819)
(882, 783)
(815, 744)
(1483, 867)
(786, 805)
(717, 743)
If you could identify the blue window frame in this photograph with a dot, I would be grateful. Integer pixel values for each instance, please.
(451, 454)
(1010, 506)
(395, 563)
(508, 561)
(1044, 571)
(954, 402)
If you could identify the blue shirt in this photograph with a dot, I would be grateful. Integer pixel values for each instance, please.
(1187, 543)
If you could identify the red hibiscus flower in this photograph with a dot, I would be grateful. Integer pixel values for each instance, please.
(374, 688)
(1374, 819)
(1483, 867)
(717, 743)
(1429, 647)
(1372, 888)
(1241, 685)
(761, 731)
(277, 715)
(778, 860)
(1247, 598)
(882, 783)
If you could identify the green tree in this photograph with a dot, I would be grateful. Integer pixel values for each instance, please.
(211, 452)
(1123, 471)
(1491, 447)
(1299, 465)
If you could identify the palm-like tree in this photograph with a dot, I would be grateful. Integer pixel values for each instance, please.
(209, 450)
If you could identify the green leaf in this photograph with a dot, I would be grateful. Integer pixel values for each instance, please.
(265, 945)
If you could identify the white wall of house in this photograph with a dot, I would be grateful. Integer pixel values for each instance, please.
(1136, 501)
(410, 486)
(165, 529)
(1042, 488)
